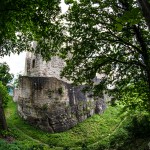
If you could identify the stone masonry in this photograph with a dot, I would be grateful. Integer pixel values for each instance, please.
(49, 102)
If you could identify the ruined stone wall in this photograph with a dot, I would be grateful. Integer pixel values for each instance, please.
(35, 66)
(50, 102)
(54, 105)
(16, 94)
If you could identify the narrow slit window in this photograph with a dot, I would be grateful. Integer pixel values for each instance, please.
(33, 63)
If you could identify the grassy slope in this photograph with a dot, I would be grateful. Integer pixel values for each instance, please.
(92, 133)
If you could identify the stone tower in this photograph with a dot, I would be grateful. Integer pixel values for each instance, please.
(50, 102)
(35, 66)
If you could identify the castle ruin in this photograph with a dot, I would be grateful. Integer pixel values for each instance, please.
(50, 102)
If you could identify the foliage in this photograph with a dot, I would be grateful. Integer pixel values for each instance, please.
(109, 38)
(4, 145)
(22, 22)
(5, 133)
(20, 146)
(4, 95)
(5, 76)
(132, 99)
(134, 134)
(140, 125)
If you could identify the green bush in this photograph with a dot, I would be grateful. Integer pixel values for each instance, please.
(20, 146)
(5, 133)
(37, 147)
(4, 94)
(13, 146)
(140, 126)
(132, 134)
(66, 148)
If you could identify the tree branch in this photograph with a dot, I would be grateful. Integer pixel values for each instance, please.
(129, 63)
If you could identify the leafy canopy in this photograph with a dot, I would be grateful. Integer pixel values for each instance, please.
(110, 38)
(5, 76)
(25, 21)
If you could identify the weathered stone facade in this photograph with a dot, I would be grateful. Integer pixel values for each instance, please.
(54, 105)
(49, 102)
(36, 67)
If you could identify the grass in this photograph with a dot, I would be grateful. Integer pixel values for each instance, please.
(98, 132)
(90, 131)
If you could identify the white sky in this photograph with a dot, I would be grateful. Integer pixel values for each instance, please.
(17, 62)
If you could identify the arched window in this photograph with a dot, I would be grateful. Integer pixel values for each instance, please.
(33, 63)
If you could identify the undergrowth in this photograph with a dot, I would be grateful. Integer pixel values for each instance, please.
(108, 131)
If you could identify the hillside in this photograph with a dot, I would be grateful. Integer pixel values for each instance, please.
(105, 131)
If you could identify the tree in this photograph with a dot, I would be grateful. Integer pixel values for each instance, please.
(4, 98)
(22, 22)
(111, 38)
(5, 76)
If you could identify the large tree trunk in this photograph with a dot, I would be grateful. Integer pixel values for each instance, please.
(145, 7)
(145, 55)
(3, 124)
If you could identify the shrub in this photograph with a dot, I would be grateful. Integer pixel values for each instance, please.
(37, 147)
(4, 94)
(13, 146)
(140, 126)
